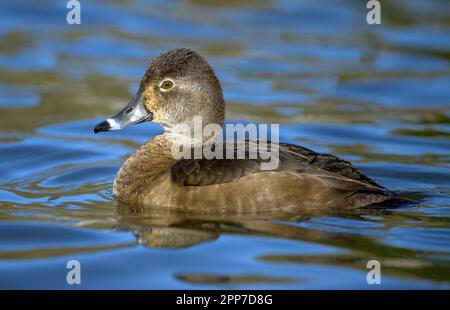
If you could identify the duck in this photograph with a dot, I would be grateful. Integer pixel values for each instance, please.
(178, 86)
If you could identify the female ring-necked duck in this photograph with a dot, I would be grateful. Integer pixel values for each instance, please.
(180, 85)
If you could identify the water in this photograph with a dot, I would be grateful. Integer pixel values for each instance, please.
(376, 95)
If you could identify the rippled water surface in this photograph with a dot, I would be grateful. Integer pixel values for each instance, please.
(376, 95)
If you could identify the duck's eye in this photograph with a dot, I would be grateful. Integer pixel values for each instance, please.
(166, 85)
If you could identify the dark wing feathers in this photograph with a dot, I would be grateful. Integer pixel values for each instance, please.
(330, 163)
(197, 172)
(206, 172)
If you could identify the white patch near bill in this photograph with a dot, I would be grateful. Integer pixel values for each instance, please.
(113, 124)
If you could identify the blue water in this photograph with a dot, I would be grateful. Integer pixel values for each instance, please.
(376, 95)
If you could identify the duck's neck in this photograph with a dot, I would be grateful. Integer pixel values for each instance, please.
(145, 165)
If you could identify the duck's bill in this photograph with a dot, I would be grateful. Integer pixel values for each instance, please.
(133, 113)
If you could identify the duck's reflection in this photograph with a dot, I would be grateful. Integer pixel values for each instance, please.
(172, 237)
(173, 228)
(170, 228)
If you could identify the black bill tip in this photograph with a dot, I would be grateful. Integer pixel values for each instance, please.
(103, 126)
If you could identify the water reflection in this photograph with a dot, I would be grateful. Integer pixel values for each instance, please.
(168, 228)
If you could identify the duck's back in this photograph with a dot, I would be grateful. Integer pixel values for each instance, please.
(302, 177)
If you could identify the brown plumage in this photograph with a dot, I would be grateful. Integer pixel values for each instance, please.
(151, 176)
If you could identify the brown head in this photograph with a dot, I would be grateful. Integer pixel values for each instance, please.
(177, 86)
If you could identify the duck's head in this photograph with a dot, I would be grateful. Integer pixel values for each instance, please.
(177, 86)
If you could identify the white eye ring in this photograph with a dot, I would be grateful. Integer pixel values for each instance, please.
(168, 82)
